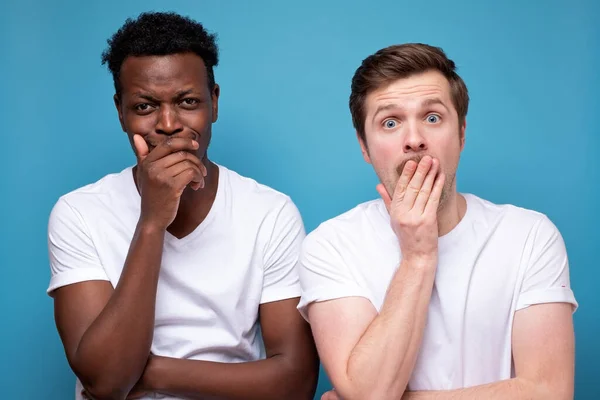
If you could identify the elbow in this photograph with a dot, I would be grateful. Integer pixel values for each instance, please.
(555, 391)
(107, 388)
(566, 392)
(374, 391)
(103, 383)
(300, 383)
(369, 396)
(105, 392)
(306, 388)
(356, 395)
(299, 392)
(543, 389)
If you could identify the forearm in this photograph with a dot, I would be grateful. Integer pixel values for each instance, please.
(273, 378)
(509, 389)
(113, 352)
(381, 363)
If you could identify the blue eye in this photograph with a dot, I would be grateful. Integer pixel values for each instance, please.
(389, 124)
(432, 118)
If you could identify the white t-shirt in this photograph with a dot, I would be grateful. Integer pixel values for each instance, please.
(211, 282)
(497, 260)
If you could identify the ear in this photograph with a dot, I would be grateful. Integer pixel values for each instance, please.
(363, 148)
(463, 129)
(117, 101)
(215, 102)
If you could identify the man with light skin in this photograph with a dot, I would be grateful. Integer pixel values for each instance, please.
(428, 293)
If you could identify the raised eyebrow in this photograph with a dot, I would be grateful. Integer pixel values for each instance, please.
(431, 102)
(385, 107)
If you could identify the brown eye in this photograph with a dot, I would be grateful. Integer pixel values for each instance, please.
(142, 107)
(190, 102)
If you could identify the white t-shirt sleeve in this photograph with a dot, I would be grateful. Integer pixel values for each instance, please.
(324, 273)
(281, 255)
(546, 278)
(73, 257)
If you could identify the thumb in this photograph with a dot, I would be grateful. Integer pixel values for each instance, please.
(141, 147)
(387, 200)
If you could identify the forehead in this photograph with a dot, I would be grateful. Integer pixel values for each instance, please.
(411, 91)
(168, 71)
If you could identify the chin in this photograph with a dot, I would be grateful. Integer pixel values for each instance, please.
(390, 188)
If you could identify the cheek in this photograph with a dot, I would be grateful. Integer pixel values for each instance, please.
(449, 152)
(385, 163)
(141, 124)
(385, 153)
(198, 120)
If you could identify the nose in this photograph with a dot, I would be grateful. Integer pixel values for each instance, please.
(168, 122)
(414, 141)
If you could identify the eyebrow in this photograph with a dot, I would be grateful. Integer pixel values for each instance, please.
(178, 95)
(183, 93)
(385, 107)
(393, 106)
(433, 101)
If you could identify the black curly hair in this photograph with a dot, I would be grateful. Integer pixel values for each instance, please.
(160, 33)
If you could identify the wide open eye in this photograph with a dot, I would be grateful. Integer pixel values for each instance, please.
(433, 118)
(390, 124)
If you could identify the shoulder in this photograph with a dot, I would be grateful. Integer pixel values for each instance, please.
(91, 198)
(350, 227)
(521, 221)
(108, 185)
(259, 205)
(250, 191)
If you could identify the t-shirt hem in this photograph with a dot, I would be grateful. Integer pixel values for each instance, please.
(75, 276)
(325, 293)
(551, 295)
(278, 294)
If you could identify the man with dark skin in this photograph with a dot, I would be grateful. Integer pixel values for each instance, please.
(162, 274)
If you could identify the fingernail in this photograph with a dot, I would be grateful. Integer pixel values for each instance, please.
(194, 143)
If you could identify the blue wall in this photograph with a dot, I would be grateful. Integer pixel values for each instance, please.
(285, 72)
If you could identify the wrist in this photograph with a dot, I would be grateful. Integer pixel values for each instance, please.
(147, 227)
(150, 378)
(421, 261)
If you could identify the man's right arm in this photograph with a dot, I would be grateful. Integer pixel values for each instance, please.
(107, 333)
(369, 355)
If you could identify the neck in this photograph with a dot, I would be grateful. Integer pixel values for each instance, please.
(451, 212)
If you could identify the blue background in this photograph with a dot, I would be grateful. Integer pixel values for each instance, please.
(532, 140)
